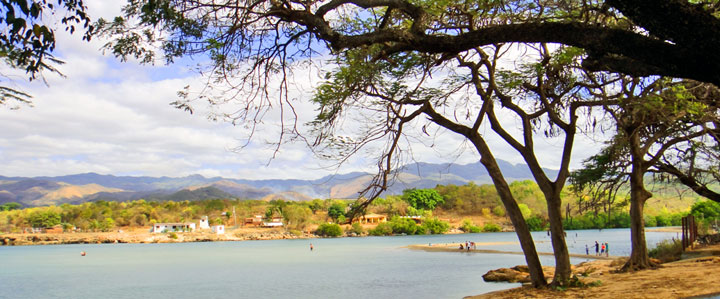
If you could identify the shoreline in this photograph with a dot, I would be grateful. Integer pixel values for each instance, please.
(142, 237)
(454, 247)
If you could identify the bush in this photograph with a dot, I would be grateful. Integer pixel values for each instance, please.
(403, 226)
(435, 226)
(491, 227)
(172, 235)
(667, 251)
(535, 223)
(357, 228)
(383, 229)
(469, 227)
(650, 221)
(499, 211)
(329, 230)
(706, 209)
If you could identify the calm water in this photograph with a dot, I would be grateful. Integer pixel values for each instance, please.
(372, 267)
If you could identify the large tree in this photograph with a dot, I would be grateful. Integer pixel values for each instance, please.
(654, 122)
(249, 42)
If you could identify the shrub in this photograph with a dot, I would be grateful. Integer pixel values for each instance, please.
(650, 221)
(329, 230)
(491, 227)
(499, 211)
(403, 226)
(535, 223)
(383, 229)
(172, 235)
(486, 212)
(357, 228)
(435, 226)
(468, 227)
(667, 251)
(706, 209)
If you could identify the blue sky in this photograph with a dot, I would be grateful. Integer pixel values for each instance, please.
(110, 117)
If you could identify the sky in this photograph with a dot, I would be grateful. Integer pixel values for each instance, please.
(111, 117)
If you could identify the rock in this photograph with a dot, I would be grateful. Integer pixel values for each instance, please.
(506, 275)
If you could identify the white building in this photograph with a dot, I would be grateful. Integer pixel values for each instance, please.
(173, 227)
(204, 223)
(218, 229)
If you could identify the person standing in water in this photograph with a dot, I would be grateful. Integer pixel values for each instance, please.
(311, 247)
(597, 248)
(587, 250)
(607, 249)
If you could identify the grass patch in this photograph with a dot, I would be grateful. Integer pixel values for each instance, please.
(667, 251)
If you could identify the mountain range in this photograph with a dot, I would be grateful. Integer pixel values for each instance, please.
(79, 188)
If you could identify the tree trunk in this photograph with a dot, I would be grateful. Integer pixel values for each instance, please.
(513, 211)
(639, 258)
(563, 269)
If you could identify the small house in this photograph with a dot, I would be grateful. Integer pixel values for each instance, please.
(275, 221)
(218, 229)
(371, 219)
(173, 227)
(256, 220)
(204, 223)
(57, 229)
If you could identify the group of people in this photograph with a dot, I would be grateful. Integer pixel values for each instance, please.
(600, 249)
(467, 246)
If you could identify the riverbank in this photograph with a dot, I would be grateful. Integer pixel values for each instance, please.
(142, 235)
(681, 279)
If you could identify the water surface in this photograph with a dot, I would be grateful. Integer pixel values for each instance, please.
(371, 267)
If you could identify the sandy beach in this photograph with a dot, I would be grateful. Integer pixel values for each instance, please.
(694, 276)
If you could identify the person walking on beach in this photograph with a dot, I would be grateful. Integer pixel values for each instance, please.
(602, 249)
(597, 248)
(607, 249)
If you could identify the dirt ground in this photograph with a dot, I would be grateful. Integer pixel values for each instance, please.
(685, 278)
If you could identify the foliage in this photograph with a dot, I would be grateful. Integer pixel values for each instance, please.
(172, 235)
(535, 223)
(382, 229)
(403, 225)
(469, 227)
(706, 209)
(329, 230)
(422, 199)
(9, 206)
(526, 212)
(357, 228)
(435, 226)
(336, 210)
(46, 218)
(499, 211)
(297, 216)
(27, 40)
(667, 250)
(491, 227)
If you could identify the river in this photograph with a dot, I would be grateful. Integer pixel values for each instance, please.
(370, 267)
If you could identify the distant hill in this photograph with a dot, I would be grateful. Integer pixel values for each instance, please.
(84, 187)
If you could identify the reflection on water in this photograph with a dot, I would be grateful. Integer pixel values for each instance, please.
(372, 267)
